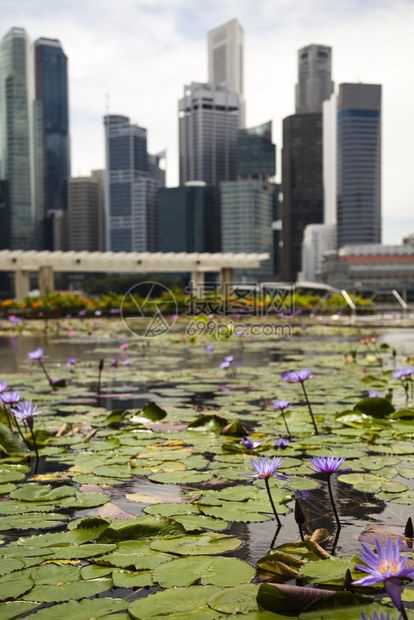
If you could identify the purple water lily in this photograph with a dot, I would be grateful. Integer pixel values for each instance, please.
(228, 363)
(25, 411)
(3, 386)
(283, 442)
(37, 355)
(114, 362)
(11, 398)
(401, 373)
(300, 376)
(373, 394)
(71, 361)
(281, 405)
(297, 376)
(388, 566)
(329, 465)
(377, 617)
(266, 469)
(249, 444)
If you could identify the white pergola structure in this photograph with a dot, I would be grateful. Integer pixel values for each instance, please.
(46, 263)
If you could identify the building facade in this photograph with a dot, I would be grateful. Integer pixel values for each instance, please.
(317, 239)
(247, 211)
(369, 267)
(51, 138)
(302, 186)
(315, 84)
(189, 219)
(226, 59)
(256, 153)
(130, 191)
(85, 213)
(209, 120)
(16, 136)
(359, 164)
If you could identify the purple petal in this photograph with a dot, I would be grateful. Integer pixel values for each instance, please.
(393, 589)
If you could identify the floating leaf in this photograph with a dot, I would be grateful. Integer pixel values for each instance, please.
(42, 493)
(210, 571)
(14, 585)
(375, 407)
(326, 570)
(135, 555)
(211, 423)
(12, 609)
(99, 608)
(204, 544)
(240, 599)
(58, 593)
(175, 603)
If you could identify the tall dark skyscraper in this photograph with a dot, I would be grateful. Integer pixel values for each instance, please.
(130, 191)
(16, 161)
(256, 153)
(209, 120)
(302, 186)
(51, 130)
(359, 164)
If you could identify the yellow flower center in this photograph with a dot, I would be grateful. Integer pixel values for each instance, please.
(386, 566)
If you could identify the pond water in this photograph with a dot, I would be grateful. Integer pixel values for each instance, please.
(184, 379)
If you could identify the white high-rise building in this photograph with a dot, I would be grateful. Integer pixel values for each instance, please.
(329, 128)
(317, 239)
(314, 78)
(226, 59)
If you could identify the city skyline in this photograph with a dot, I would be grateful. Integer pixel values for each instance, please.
(118, 51)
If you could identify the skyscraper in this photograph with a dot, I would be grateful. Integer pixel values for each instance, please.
(301, 185)
(256, 153)
(16, 144)
(130, 192)
(314, 78)
(51, 127)
(226, 59)
(189, 219)
(209, 119)
(85, 213)
(359, 164)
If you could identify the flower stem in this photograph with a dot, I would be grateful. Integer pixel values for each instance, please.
(7, 416)
(35, 448)
(332, 502)
(310, 408)
(271, 501)
(403, 612)
(284, 420)
(43, 367)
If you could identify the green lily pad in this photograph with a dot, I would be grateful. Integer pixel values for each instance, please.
(375, 407)
(10, 565)
(13, 609)
(73, 590)
(240, 599)
(30, 521)
(209, 570)
(204, 544)
(16, 584)
(135, 555)
(130, 579)
(326, 570)
(42, 493)
(175, 603)
(99, 608)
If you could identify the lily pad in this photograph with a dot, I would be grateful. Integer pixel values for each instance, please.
(204, 544)
(99, 608)
(214, 571)
(175, 603)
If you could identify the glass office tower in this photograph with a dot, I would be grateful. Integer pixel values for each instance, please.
(359, 164)
(16, 144)
(51, 126)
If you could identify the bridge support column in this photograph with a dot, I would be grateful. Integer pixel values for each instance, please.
(46, 280)
(226, 279)
(21, 284)
(197, 283)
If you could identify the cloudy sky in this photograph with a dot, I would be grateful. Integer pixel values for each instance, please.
(133, 57)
